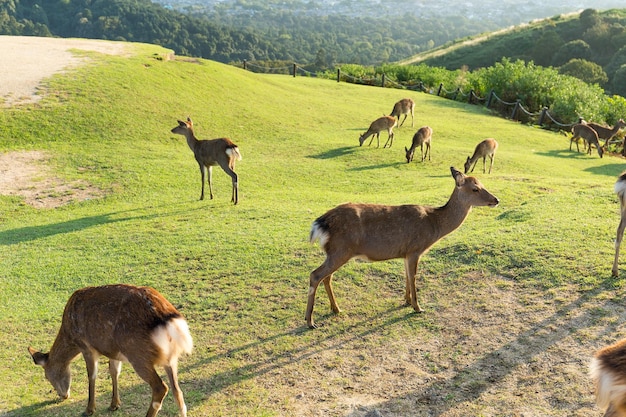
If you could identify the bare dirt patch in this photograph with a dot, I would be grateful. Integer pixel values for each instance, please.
(26, 174)
(26, 62)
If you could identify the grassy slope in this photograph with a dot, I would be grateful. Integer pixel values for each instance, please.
(509, 279)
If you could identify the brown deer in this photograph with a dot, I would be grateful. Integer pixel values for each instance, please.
(620, 190)
(379, 232)
(607, 133)
(421, 138)
(403, 107)
(608, 372)
(486, 148)
(590, 136)
(382, 123)
(124, 323)
(208, 153)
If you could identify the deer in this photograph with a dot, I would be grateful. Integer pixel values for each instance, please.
(607, 133)
(208, 153)
(421, 138)
(125, 323)
(403, 107)
(590, 136)
(486, 148)
(375, 232)
(608, 372)
(620, 190)
(382, 123)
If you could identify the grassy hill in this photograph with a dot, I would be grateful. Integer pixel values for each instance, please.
(516, 300)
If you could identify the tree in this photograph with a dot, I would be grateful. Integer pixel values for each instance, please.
(619, 81)
(573, 49)
(589, 72)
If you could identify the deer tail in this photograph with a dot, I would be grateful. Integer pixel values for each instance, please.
(319, 232)
(234, 151)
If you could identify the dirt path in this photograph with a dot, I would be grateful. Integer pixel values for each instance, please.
(26, 62)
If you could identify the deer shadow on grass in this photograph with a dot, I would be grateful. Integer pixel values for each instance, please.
(442, 395)
(334, 153)
(328, 339)
(31, 233)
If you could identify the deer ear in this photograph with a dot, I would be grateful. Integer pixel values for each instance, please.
(459, 177)
(38, 357)
(189, 120)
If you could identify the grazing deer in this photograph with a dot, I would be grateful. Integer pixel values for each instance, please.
(607, 133)
(403, 107)
(379, 232)
(608, 371)
(420, 138)
(382, 123)
(124, 323)
(620, 190)
(208, 153)
(486, 148)
(590, 136)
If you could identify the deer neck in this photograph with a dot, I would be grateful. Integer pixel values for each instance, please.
(451, 215)
(192, 141)
(63, 350)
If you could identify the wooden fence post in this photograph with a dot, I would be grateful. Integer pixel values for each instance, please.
(294, 70)
(439, 90)
(338, 74)
(382, 84)
(491, 93)
(515, 108)
(543, 115)
(244, 64)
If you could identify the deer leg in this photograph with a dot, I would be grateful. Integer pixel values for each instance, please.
(491, 164)
(159, 390)
(201, 180)
(373, 134)
(209, 170)
(618, 241)
(115, 367)
(91, 360)
(227, 169)
(389, 138)
(410, 270)
(428, 150)
(403, 120)
(172, 375)
(328, 286)
(322, 273)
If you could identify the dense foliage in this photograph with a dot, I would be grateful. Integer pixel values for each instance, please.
(590, 46)
(567, 98)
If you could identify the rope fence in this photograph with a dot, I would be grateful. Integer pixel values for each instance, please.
(511, 110)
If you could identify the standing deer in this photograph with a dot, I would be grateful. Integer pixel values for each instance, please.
(620, 190)
(208, 153)
(421, 138)
(608, 372)
(486, 148)
(403, 107)
(590, 136)
(379, 232)
(382, 123)
(124, 323)
(607, 133)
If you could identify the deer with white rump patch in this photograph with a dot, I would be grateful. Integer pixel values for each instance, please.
(608, 372)
(403, 107)
(126, 324)
(590, 136)
(486, 148)
(421, 138)
(379, 232)
(382, 123)
(208, 153)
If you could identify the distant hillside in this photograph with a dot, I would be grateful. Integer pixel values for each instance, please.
(590, 45)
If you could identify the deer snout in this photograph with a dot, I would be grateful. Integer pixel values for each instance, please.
(495, 202)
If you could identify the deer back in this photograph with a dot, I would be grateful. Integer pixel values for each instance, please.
(403, 106)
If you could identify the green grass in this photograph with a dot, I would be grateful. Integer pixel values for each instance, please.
(240, 273)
